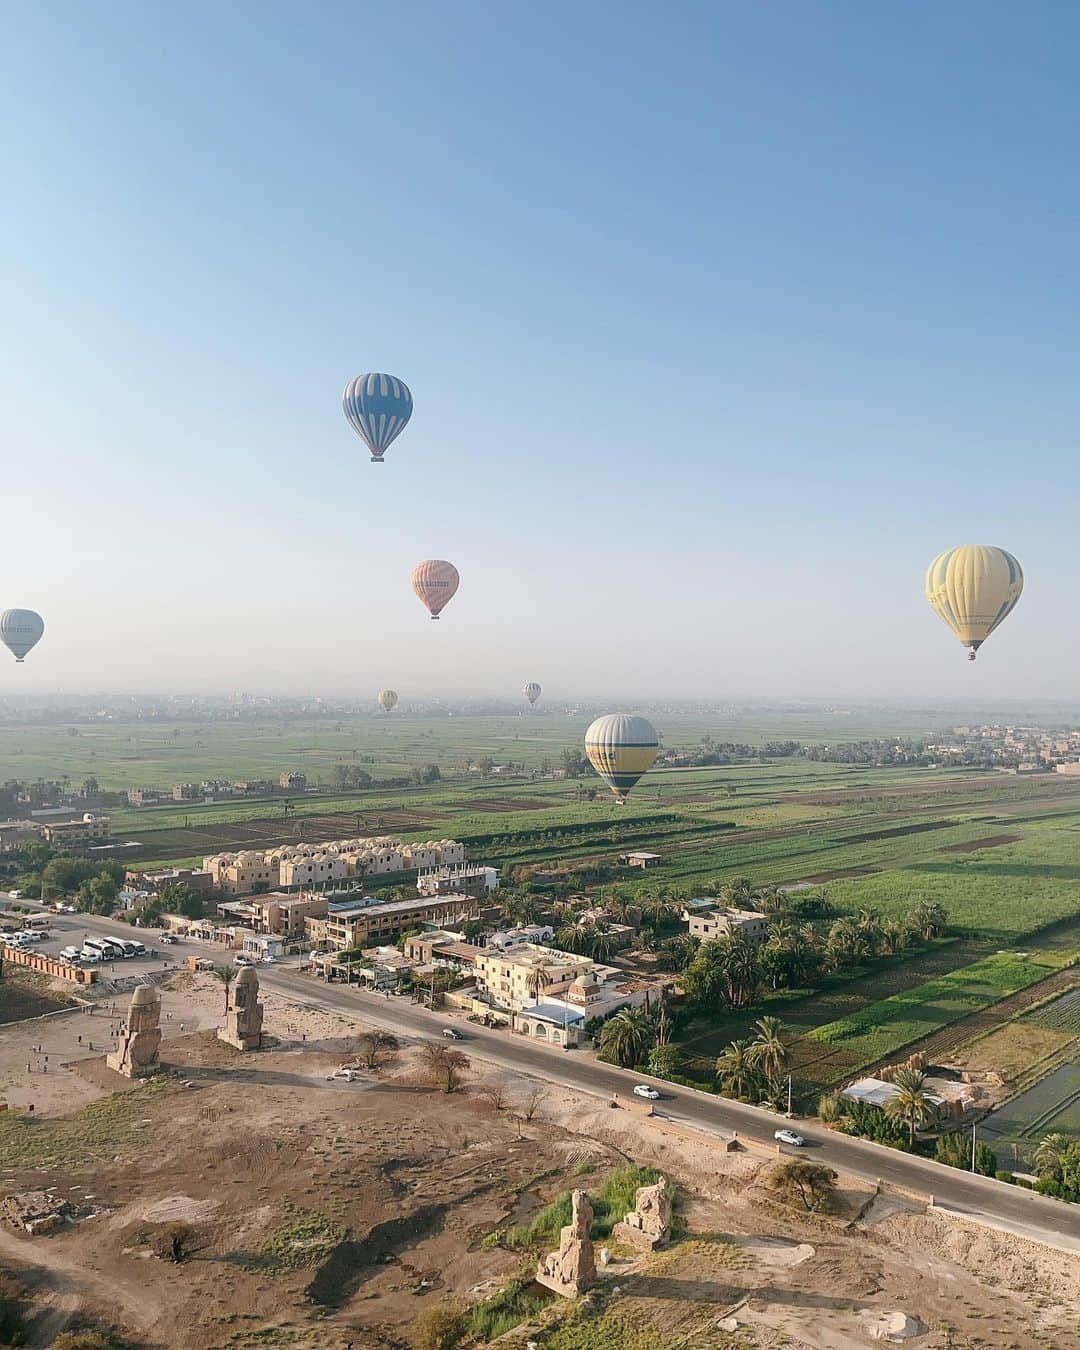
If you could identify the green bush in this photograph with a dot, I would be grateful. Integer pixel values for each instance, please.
(503, 1311)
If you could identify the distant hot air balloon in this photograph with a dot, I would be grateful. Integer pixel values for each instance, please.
(973, 589)
(388, 699)
(531, 691)
(378, 408)
(621, 747)
(20, 629)
(435, 582)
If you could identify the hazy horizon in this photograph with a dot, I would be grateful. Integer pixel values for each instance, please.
(703, 380)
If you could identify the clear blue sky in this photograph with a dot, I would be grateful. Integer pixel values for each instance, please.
(720, 319)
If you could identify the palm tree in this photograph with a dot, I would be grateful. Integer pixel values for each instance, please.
(626, 1037)
(867, 925)
(930, 920)
(911, 1103)
(737, 892)
(894, 938)
(767, 1051)
(771, 901)
(677, 952)
(538, 979)
(1051, 1154)
(568, 937)
(226, 974)
(741, 969)
(735, 1069)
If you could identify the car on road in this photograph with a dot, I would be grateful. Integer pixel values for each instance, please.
(15, 895)
(644, 1090)
(167, 939)
(242, 959)
(452, 1035)
(789, 1137)
(346, 1074)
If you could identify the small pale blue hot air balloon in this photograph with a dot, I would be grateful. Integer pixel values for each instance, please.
(20, 629)
(378, 408)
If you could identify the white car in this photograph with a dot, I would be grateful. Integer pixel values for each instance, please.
(644, 1090)
(347, 1075)
(789, 1137)
(243, 960)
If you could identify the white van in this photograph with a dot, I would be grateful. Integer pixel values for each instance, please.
(106, 949)
(71, 954)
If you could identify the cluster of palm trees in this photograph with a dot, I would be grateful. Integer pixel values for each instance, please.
(753, 1069)
(628, 1035)
(730, 971)
(1057, 1162)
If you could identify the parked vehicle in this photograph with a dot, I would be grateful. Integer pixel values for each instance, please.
(132, 948)
(70, 954)
(789, 1137)
(644, 1090)
(89, 957)
(242, 959)
(346, 1075)
(168, 939)
(106, 949)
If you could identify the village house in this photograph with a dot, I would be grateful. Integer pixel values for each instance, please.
(724, 921)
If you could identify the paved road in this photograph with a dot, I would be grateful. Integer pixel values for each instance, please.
(1009, 1207)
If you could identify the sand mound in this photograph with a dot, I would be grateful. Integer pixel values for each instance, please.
(891, 1326)
(178, 1209)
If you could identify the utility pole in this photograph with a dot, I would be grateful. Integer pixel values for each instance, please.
(974, 1127)
(789, 1095)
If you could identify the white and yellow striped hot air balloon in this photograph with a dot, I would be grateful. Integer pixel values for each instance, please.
(388, 699)
(435, 581)
(621, 747)
(973, 588)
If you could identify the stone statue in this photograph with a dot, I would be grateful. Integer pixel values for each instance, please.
(648, 1224)
(137, 1054)
(243, 1022)
(571, 1270)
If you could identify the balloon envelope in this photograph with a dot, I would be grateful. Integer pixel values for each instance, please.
(973, 589)
(388, 699)
(621, 747)
(532, 691)
(435, 581)
(378, 408)
(20, 629)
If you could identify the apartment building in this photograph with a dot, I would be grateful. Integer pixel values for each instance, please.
(368, 922)
(724, 921)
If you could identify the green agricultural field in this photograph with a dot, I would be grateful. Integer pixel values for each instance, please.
(890, 1024)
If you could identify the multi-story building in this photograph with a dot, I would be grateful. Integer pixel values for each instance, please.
(725, 921)
(314, 870)
(294, 782)
(77, 833)
(196, 879)
(368, 922)
(294, 865)
(462, 878)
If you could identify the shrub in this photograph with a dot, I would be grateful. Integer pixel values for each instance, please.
(441, 1328)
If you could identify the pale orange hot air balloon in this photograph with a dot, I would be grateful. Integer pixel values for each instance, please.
(435, 581)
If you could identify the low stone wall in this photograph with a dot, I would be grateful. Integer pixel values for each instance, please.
(47, 966)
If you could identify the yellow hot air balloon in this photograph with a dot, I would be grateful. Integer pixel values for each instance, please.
(621, 747)
(973, 588)
(388, 699)
(435, 581)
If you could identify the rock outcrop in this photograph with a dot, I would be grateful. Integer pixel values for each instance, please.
(137, 1054)
(648, 1225)
(243, 1021)
(572, 1269)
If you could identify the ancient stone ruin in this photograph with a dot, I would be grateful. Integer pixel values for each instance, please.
(648, 1224)
(137, 1054)
(243, 1021)
(571, 1270)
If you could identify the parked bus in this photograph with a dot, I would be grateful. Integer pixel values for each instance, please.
(105, 949)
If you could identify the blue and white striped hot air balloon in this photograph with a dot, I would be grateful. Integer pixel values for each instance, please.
(378, 408)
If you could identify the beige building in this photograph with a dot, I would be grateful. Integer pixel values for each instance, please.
(371, 923)
(74, 833)
(721, 922)
(295, 865)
